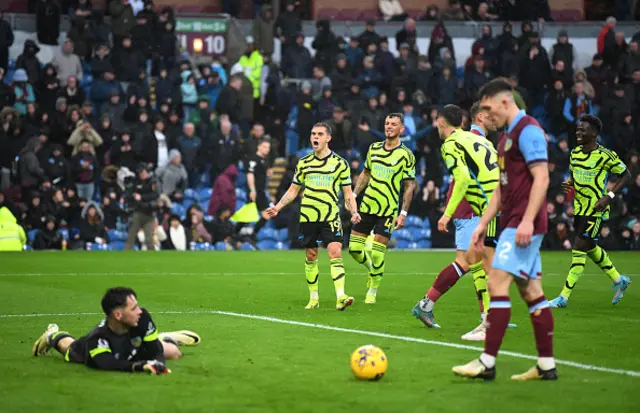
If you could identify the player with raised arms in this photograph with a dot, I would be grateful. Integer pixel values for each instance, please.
(389, 170)
(590, 166)
(524, 179)
(472, 160)
(322, 174)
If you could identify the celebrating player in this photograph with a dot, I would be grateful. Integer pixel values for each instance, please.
(390, 167)
(472, 160)
(524, 179)
(590, 166)
(126, 340)
(322, 174)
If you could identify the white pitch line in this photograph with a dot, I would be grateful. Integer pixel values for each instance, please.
(178, 274)
(361, 332)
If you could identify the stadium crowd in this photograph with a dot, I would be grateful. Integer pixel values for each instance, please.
(118, 106)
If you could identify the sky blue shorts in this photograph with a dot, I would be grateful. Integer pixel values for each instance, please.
(464, 229)
(523, 263)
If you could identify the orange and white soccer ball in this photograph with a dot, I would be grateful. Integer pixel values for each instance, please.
(368, 363)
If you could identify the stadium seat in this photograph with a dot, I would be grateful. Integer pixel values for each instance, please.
(116, 245)
(267, 234)
(208, 218)
(204, 205)
(423, 234)
(65, 233)
(178, 209)
(247, 247)
(203, 246)
(283, 235)
(239, 204)
(241, 180)
(426, 223)
(190, 193)
(27, 248)
(403, 234)
(349, 15)
(205, 194)
(303, 152)
(267, 245)
(31, 235)
(413, 246)
(402, 244)
(97, 247)
(221, 246)
(283, 246)
(414, 221)
(372, 14)
(424, 244)
(115, 235)
(328, 14)
(241, 194)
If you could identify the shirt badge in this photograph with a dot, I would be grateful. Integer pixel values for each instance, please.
(508, 144)
(136, 342)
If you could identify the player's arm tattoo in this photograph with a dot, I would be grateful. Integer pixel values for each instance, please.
(363, 181)
(289, 196)
(349, 200)
(409, 190)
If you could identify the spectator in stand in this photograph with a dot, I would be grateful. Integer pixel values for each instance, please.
(229, 99)
(624, 133)
(23, 91)
(84, 170)
(629, 63)
(67, 63)
(142, 36)
(484, 14)
(561, 72)
(440, 43)
(297, 62)
(454, 12)
(224, 191)
(189, 145)
(576, 105)
(127, 63)
(7, 96)
(101, 61)
(475, 79)
(606, 37)
(319, 81)
(84, 132)
(342, 133)
(565, 51)
(28, 61)
(559, 237)
(614, 106)
(535, 71)
(555, 108)
(48, 238)
(6, 41)
(48, 22)
(288, 26)
(392, 10)
(91, 228)
(581, 76)
(30, 173)
(73, 93)
(122, 20)
(432, 14)
(99, 30)
(354, 56)
(445, 88)
(325, 44)
(527, 30)
(80, 35)
(599, 76)
(369, 35)
(613, 53)
(408, 35)
(263, 30)
(177, 238)
(225, 148)
(57, 168)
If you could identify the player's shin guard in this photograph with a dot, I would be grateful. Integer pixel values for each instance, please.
(311, 272)
(497, 322)
(377, 267)
(542, 321)
(602, 260)
(447, 278)
(56, 337)
(578, 260)
(337, 274)
(358, 251)
(480, 283)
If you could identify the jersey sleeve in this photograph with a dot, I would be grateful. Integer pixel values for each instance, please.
(102, 358)
(410, 169)
(454, 160)
(152, 346)
(298, 177)
(252, 166)
(345, 175)
(367, 162)
(533, 144)
(615, 165)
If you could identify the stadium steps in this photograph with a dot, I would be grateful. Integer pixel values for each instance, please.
(277, 172)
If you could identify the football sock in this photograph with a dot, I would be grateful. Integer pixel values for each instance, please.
(602, 260)
(56, 337)
(311, 272)
(337, 274)
(358, 252)
(497, 322)
(579, 258)
(542, 321)
(447, 278)
(377, 266)
(480, 283)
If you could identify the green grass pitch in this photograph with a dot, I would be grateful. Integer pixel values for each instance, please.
(263, 365)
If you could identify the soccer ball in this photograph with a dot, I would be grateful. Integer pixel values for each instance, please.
(368, 363)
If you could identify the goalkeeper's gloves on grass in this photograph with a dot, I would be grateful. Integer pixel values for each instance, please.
(151, 366)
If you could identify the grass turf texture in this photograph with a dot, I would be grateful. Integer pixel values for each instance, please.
(250, 365)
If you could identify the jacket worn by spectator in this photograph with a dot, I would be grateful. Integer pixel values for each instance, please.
(172, 178)
(12, 235)
(48, 238)
(29, 171)
(122, 18)
(29, 61)
(67, 63)
(263, 30)
(148, 196)
(6, 40)
(84, 132)
(48, 22)
(224, 191)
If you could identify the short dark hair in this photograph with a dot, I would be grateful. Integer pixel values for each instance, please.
(324, 125)
(495, 87)
(264, 139)
(396, 115)
(594, 121)
(115, 298)
(475, 109)
(452, 114)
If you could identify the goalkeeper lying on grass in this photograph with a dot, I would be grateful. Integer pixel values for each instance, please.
(126, 340)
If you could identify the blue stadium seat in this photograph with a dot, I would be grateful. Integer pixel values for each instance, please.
(247, 247)
(241, 180)
(239, 204)
(268, 234)
(116, 245)
(402, 244)
(403, 234)
(283, 235)
(115, 235)
(205, 194)
(65, 233)
(424, 244)
(31, 235)
(426, 223)
(283, 246)
(221, 246)
(178, 208)
(413, 246)
(204, 246)
(267, 245)
(241, 194)
(27, 248)
(423, 234)
(191, 194)
(538, 112)
(208, 218)
(204, 205)
(97, 247)
(413, 220)
(303, 152)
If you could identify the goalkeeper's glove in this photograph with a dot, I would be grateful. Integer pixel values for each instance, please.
(151, 366)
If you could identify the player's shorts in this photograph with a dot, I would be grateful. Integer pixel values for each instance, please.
(380, 225)
(587, 227)
(75, 352)
(493, 233)
(523, 263)
(312, 234)
(262, 200)
(464, 230)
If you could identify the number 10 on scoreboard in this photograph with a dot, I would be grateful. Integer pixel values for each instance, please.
(213, 44)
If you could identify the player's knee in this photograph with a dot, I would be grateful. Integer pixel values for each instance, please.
(531, 291)
(583, 244)
(312, 254)
(334, 250)
(498, 283)
(171, 351)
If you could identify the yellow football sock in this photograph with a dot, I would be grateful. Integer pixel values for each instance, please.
(337, 274)
(311, 272)
(480, 283)
(357, 250)
(602, 260)
(377, 268)
(578, 260)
